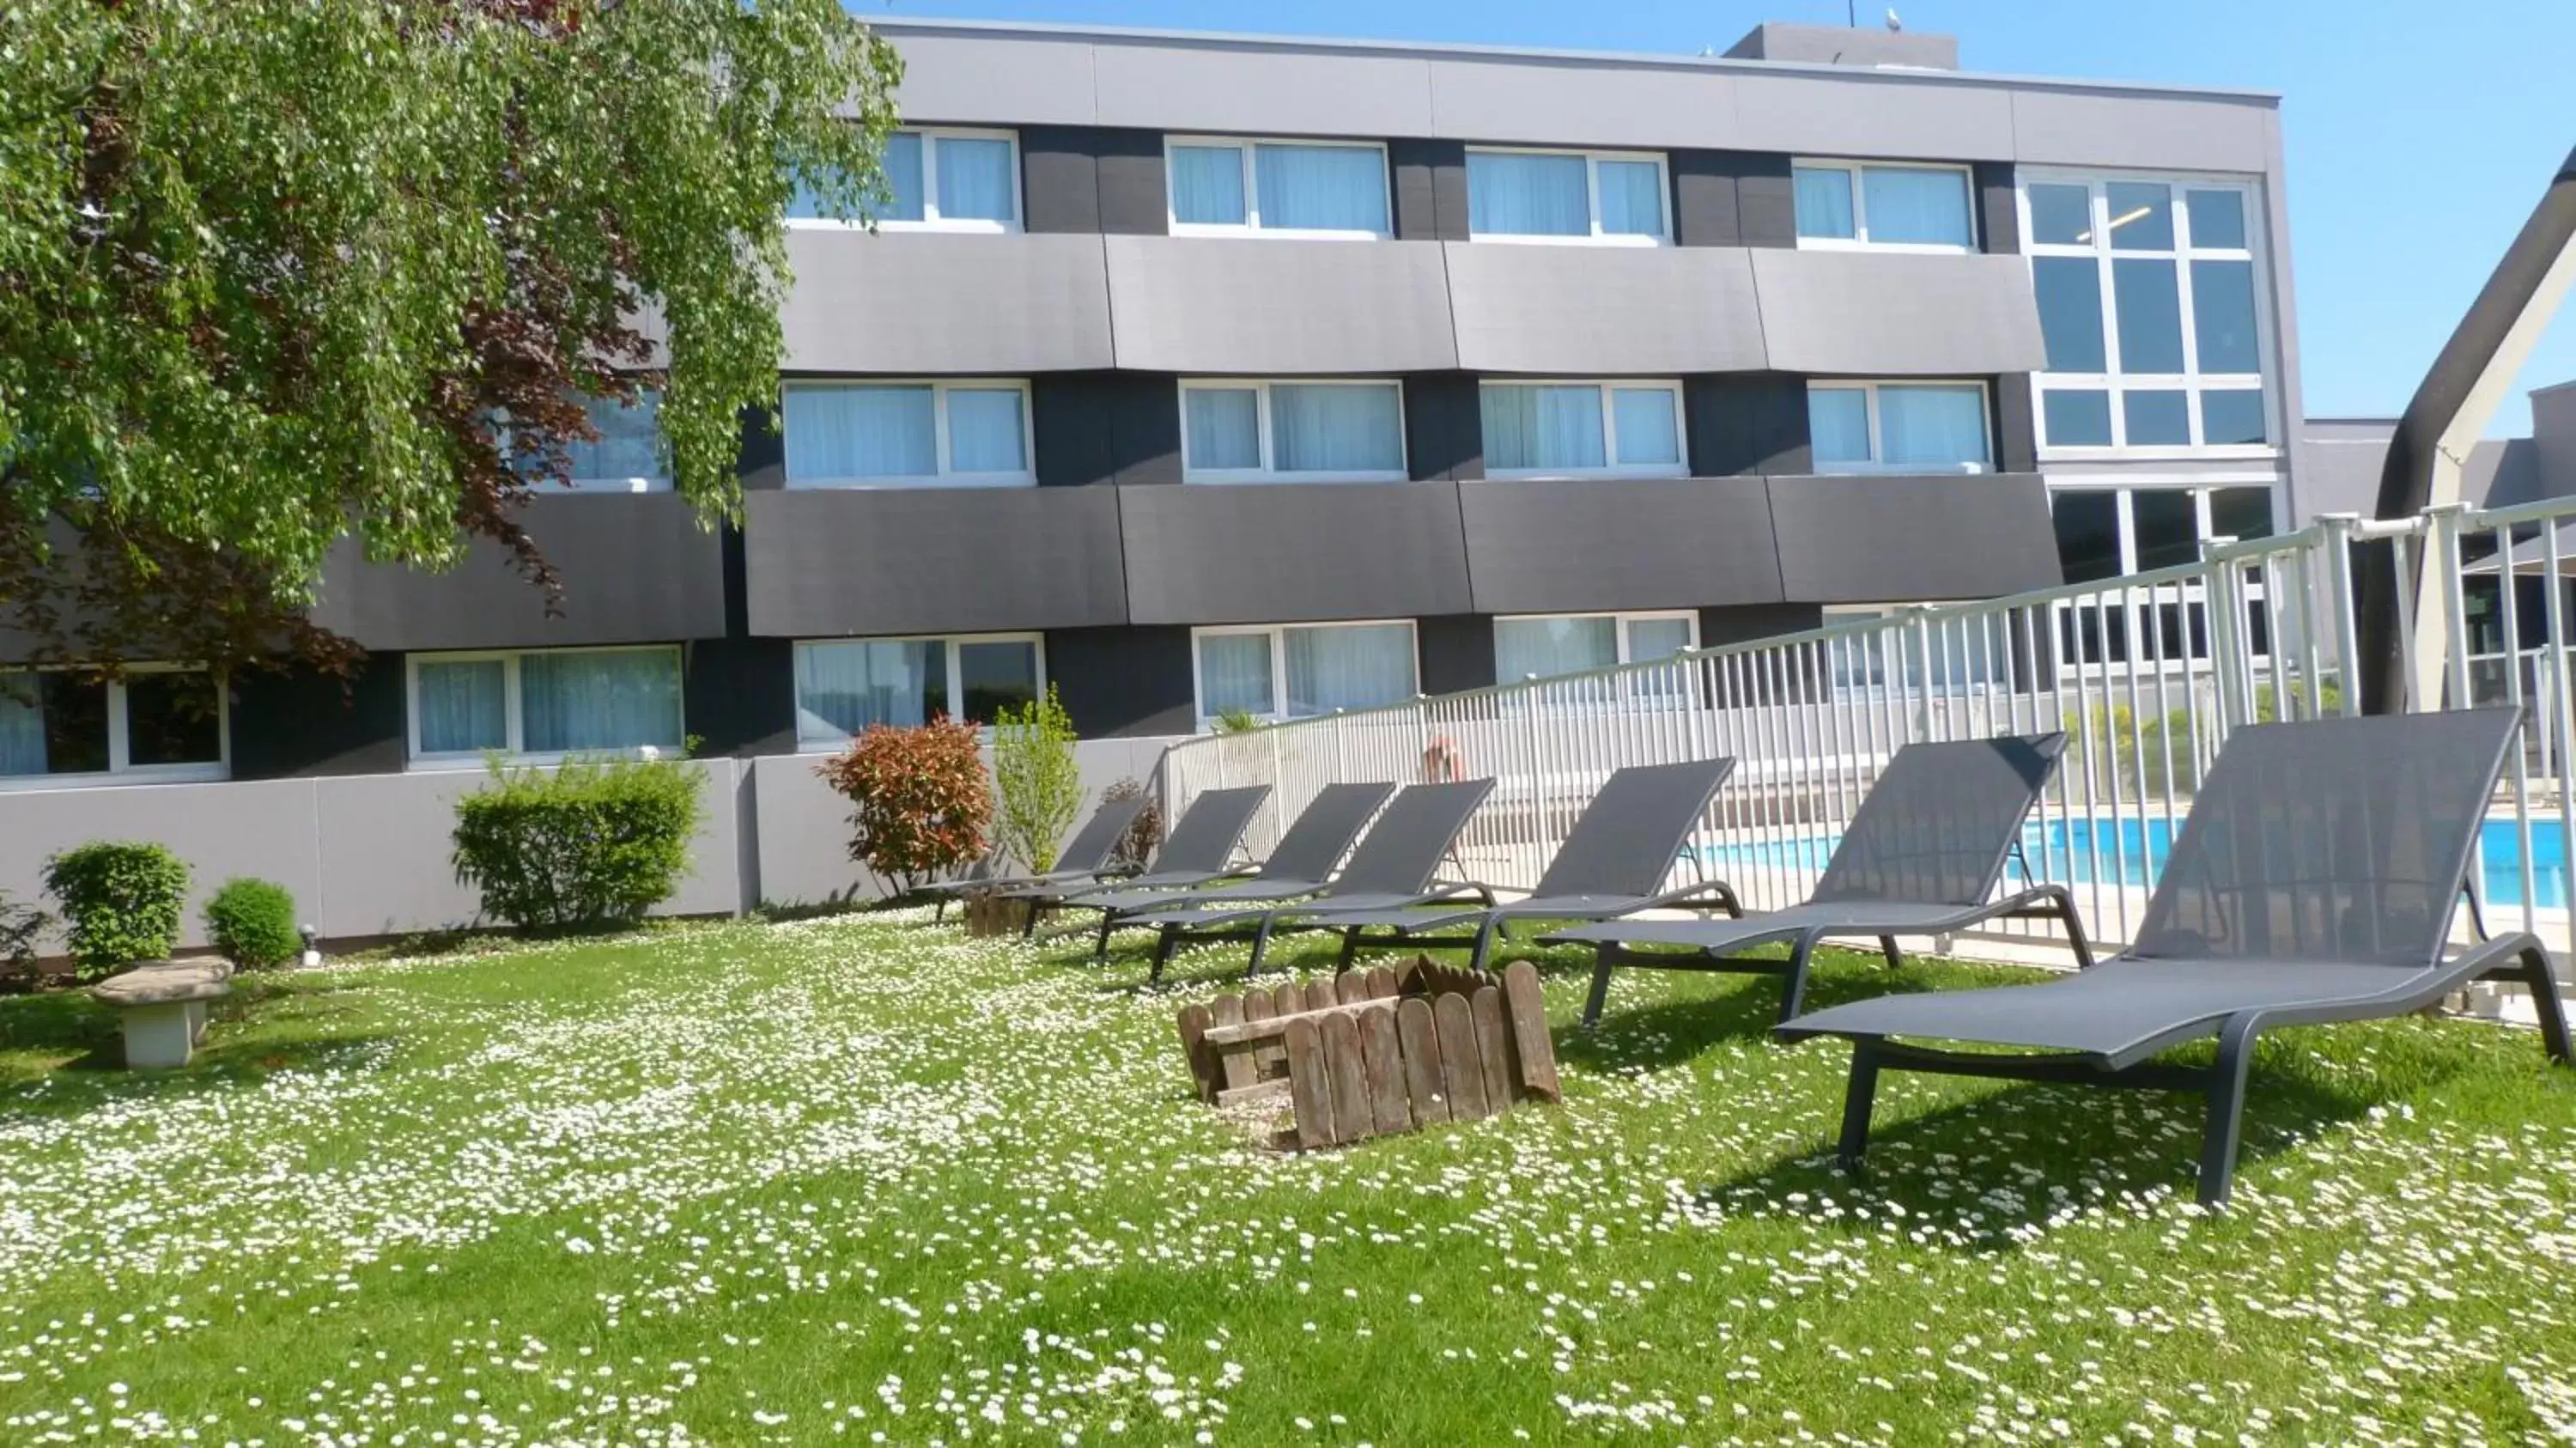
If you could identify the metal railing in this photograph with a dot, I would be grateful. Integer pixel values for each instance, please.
(2145, 673)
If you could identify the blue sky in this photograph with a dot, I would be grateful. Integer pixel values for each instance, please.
(2420, 134)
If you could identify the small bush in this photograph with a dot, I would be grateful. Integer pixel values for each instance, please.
(1136, 847)
(21, 926)
(121, 899)
(253, 923)
(920, 802)
(592, 844)
(1035, 774)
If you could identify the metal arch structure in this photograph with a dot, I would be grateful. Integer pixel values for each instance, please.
(2449, 412)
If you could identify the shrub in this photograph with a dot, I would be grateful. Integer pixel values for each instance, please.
(253, 923)
(594, 843)
(121, 900)
(21, 926)
(1035, 774)
(1237, 721)
(1136, 847)
(920, 802)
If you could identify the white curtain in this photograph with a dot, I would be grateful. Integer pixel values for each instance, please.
(464, 706)
(984, 433)
(1542, 427)
(1321, 188)
(975, 180)
(1546, 647)
(630, 441)
(902, 165)
(1657, 638)
(1928, 207)
(1234, 674)
(1649, 433)
(1510, 195)
(1632, 197)
(597, 701)
(1943, 427)
(1349, 668)
(842, 688)
(1207, 185)
(1825, 203)
(1838, 424)
(1317, 429)
(22, 725)
(839, 434)
(1224, 428)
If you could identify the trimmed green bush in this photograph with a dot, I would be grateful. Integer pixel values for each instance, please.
(592, 844)
(121, 901)
(253, 923)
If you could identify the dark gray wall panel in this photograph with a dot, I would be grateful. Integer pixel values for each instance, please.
(300, 722)
(1757, 621)
(1766, 205)
(1430, 189)
(924, 302)
(1457, 652)
(2016, 424)
(763, 462)
(1998, 208)
(1588, 311)
(1272, 553)
(1060, 179)
(636, 569)
(1443, 426)
(1145, 427)
(1886, 314)
(864, 562)
(1557, 547)
(1123, 681)
(1912, 539)
(1133, 200)
(739, 696)
(1073, 423)
(1746, 423)
(1275, 307)
(1732, 198)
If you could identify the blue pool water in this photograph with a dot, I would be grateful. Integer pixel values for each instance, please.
(2127, 852)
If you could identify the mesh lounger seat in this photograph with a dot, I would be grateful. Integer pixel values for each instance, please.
(1200, 850)
(1299, 865)
(1391, 869)
(1085, 859)
(1611, 864)
(2314, 882)
(1922, 856)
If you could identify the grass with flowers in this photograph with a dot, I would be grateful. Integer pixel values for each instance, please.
(859, 1180)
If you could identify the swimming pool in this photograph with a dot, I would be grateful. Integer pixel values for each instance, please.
(2126, 852)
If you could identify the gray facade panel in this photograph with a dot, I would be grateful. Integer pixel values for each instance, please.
(1557, 547)
(1845, 45)
(1228, 89)
(865, 562)
(1536, 101)
(2054, 127)
(1866, 314)
(918, 302)
(636, 569)
(1860, 113)
(1276, 307)
(968, 78)
(1283, 553)
(1581, 311)
(262, 829)
(1912, 539)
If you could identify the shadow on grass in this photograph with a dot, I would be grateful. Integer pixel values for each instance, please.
(72, 1045)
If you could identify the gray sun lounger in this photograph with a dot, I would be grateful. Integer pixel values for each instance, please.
(2314, 882)
(1085, 859)
(1200, 850)
(1612, 863)
(1390, 869)
(1299, 865)
(1922, 856)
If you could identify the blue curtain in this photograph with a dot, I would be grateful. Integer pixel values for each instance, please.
(984, 433)
(1207, 185)
(1838, 424)
(1632, 197)
(464, 705)
(975, 180)
(1321, 188)
(1649, 434)
(1224, 428)
(630, 442)
(1234, 674)
(1353, 667)
(902, 164)
(1923, 207)
(1825, 203)
(1940, 427)
(1348, 429)
(573, 702)
(847, 434)
(1513, 195)
(1529, 426)
(843, 687)
(1544, 648)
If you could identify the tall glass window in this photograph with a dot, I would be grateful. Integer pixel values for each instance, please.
(1898, 426)
(150, 723)
(845, 685)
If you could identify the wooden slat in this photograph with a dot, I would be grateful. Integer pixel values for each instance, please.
(1383, 1054)
(1257, 1091)
(1381, 983)
(1408, 976)
(1460, 1075)
(1420, 1038)
(1493, 1047)
(1284, 1000)
(1258, 1005)
(1310, 1086)
(1277, 1026)
(1350, 987)
(1226, 1012)
(1353, 1119)
(1196, 1051)
(1534, 1054)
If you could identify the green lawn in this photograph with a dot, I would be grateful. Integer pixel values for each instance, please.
(859, 1180)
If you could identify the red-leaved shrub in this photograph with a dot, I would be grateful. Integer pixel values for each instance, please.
(920, 801)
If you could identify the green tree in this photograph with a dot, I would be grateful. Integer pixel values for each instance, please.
(272, 271)
(1035, 774)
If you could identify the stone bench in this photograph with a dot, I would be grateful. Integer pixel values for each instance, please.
(162, 1004)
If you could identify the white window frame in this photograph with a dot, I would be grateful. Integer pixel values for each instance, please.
(1869, 389)
(1620, 619)
(660, 484)
(2114, 382)
(1609, 428)
(1268, 471)
(1277, 633)
(2003, 668)
(2136, 607)
(939, 387)
(950, 646)
(1859, 239)
(1251, 223)
(120, 748)
(931, 220)
(1592, 198)
(514, 716)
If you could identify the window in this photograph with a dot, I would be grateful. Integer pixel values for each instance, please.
(1611, 198)
(1542, 648)
(1885, 206)
(938, 180)
(71, 728)
(1583, 429)
(1292, 431)
(908, 434)
(845, 685)
(1293, 188)
(2152, 312)
(630, 456)
(545, 703)
(1298, 670)
(2105, 533)
(1965, 656)
(1861, 427)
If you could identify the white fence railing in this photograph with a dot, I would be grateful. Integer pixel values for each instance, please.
(2146, 674)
